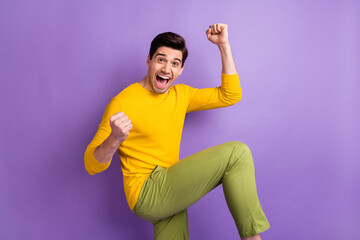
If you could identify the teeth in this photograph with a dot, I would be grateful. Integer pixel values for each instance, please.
(163, 77)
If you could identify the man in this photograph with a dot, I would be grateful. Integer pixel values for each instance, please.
(144, 123)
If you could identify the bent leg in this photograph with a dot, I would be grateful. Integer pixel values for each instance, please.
(168, 192)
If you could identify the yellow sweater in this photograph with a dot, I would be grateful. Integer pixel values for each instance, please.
(157, 121)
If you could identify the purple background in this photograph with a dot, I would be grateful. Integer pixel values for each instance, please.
(62, 61)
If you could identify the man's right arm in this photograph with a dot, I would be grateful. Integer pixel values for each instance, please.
(112, 131)
(120, 126)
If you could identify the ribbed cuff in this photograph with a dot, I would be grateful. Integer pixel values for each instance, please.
(92, 165)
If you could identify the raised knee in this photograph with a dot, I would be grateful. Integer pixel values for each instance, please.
(241, 154)
(239, 145)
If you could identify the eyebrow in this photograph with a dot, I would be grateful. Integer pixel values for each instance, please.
(164, 55)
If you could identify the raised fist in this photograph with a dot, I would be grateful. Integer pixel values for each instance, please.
(120, 126)
(218, 33)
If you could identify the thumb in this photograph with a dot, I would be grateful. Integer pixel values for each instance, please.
(208, 32)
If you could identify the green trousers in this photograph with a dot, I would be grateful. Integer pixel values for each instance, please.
(167, 193)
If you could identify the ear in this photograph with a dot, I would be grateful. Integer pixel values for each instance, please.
(181, 70)
(148, 61)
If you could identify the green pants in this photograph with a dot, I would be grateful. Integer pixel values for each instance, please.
(167, 193)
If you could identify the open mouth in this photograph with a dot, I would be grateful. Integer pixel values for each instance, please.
(162, 81)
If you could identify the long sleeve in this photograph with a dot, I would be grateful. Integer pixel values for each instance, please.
(227, 94)
(92, 166)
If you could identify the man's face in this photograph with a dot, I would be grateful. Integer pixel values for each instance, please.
(163, 69)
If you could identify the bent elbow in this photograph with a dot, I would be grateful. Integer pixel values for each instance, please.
(232, 99)
(89, 171)
(236, 99)
(90, 163)
(88, 168)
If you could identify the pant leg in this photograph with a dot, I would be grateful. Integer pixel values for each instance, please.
(175, 227)
(168, 192)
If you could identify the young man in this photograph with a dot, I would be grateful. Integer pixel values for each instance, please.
(144, 123)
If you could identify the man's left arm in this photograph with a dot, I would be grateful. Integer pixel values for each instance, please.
(218, 34)
(230, 91)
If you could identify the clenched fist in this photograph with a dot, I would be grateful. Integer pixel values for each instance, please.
(120, 126)
(218, 33)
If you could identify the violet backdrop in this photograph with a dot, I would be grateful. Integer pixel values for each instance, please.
(62, 61)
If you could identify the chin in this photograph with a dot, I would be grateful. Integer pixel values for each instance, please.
(159, 90)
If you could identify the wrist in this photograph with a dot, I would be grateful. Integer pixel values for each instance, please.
(223, 46)
(114, 140)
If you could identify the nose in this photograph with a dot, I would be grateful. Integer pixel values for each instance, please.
(166, 68)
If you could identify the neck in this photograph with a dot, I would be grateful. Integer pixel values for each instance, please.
(143, 81)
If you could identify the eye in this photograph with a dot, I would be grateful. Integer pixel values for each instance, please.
(160, 60)
(176, 64)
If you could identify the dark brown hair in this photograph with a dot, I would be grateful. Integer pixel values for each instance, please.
(171, 40)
